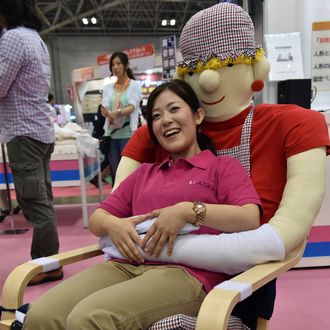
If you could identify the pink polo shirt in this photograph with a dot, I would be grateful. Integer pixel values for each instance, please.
(203, 177)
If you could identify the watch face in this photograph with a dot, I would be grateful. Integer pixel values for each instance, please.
(200, 208)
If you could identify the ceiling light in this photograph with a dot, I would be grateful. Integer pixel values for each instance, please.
(164, 22)
(93, 20)
(85, 21)
(172, 22)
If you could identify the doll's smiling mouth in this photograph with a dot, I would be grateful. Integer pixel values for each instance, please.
(212, 103)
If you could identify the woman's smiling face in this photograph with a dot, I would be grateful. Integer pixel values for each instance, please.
(174, 125)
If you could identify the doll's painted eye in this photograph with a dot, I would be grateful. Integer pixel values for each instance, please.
(230, 65)
(190, 73)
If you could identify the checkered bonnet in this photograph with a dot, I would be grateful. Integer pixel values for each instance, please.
(223, 33)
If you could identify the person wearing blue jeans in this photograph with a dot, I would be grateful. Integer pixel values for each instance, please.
(120, 107)
(116, 146)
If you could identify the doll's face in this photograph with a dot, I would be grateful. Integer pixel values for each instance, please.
(224, 92)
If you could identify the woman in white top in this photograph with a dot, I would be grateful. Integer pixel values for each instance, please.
(120, 103)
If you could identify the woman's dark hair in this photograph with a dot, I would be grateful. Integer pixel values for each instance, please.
(124, 60)
(187, 94)
(21, 13)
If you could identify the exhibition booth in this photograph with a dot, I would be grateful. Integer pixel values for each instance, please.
(88, 82)
(73, 163)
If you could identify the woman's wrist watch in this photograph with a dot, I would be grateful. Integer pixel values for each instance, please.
(119, 111)
(200, 210)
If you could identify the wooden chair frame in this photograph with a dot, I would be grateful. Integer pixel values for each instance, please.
(214, 312)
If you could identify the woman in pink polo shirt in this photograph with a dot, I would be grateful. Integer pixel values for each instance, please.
(192, 186)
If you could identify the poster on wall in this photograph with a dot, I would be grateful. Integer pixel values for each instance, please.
(285, 57)
(141, 58)
(168, 51)
(320, 71)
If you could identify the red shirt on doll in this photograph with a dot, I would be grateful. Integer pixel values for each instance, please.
(278, 132)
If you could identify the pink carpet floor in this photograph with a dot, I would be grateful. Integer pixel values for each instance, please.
(303, 295)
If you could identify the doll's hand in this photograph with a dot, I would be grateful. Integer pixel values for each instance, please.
(125, 237)
(170, 221)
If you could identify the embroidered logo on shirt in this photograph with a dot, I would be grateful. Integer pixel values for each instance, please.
(202, 183)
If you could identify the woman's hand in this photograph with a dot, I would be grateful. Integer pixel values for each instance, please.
(105, 111)
(114, 115)
(125, 237)
(169, 222)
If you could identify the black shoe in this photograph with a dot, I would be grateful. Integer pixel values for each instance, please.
(95, 181)
(16, 210)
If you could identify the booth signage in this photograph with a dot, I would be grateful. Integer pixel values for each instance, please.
(285, 56)
(132, 53)
(87, 74)
(320, 72)
(168, 51)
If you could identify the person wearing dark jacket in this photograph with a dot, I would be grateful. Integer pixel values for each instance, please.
(98, 133)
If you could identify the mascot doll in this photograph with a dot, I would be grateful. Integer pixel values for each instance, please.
(283, 147)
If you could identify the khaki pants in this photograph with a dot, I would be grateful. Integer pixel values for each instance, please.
(29, 163)
(115, 295)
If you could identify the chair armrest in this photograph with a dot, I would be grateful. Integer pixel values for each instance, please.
(219, 303)
(6, 324)
(16, 282)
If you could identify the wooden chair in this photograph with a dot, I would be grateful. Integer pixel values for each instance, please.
(214, 312)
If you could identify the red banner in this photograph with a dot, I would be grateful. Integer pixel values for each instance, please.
(103, 59)
(132, 53)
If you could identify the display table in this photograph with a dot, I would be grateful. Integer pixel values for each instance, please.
(317, 252)
(73, 163)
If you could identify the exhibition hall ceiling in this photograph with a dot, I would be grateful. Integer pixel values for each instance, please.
(117, 17)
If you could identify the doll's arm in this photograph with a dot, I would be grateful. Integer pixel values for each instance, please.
(125, 168)
(301, 201)
(236, 252)
(302, 196)
(226, 253)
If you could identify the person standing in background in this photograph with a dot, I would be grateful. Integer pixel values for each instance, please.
(53, 112)
(98, 133)
(25, 123)
(120, 103)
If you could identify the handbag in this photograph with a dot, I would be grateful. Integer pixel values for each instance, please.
(104, 144)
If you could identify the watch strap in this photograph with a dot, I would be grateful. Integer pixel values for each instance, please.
(200, 210)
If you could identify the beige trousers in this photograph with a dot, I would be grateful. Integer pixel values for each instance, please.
(115, 295)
